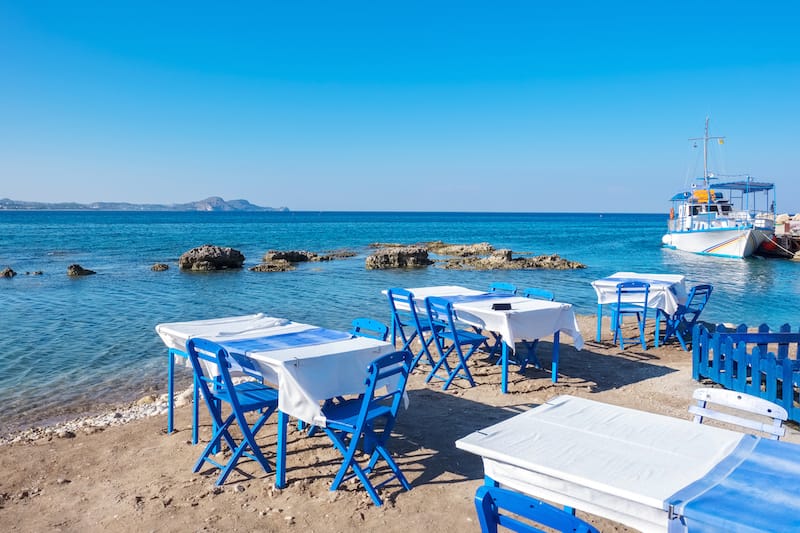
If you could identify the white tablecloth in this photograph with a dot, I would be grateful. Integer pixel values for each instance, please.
(666, 290)
(304, 375)
(611, 461)
(527, 319)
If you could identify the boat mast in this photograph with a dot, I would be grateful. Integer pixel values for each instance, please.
(705, 138)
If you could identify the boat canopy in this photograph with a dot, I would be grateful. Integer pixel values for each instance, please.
(745, 186)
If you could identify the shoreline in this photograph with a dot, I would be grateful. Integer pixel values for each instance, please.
(145, 407)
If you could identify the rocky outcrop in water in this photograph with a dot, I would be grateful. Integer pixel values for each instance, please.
(208, 258)
(277, 265)
(400, 257)
(159, 267)
(292, 256)
(459, 250)
(503, 260)
(284, 260)
(302, 256)
(7, 273)
(478, 256)
(77, 270)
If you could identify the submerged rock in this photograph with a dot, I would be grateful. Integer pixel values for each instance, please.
(404, 257)
(77, 270)
(278, 265)
(159, 267)
(292, 256)
(208, 257)
(302, 256)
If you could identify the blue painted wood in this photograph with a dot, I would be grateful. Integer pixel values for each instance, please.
(761, 363)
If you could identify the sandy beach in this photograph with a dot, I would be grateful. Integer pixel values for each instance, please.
(135, 477)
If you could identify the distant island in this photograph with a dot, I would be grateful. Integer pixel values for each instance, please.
(213, 203)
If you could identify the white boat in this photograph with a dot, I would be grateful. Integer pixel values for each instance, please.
(729, 219)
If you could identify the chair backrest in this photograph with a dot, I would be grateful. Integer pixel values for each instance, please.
(772, 415)
(212, 365)
(633, 293)
(390, 370)
(696, 302)
(503, 286)
(404, 310)
(521, 513)
(538, 294)
(441, 316)
(367, 327)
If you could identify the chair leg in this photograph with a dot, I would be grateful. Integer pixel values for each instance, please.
(248, 441)
(441, 363)
(211, 448)
(424, 350)
(461, 365)
(349, 452)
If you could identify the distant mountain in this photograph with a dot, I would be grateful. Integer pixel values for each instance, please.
(213, 203)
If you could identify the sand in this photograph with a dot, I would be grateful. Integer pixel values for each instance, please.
(135, 477)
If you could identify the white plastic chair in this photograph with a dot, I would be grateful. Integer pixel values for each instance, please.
(742, 402)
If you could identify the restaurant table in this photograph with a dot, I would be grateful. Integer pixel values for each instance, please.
(648, 471)
(528, 318)
(667, 291)
(307, 364)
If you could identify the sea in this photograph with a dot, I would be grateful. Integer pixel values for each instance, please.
(79, 346)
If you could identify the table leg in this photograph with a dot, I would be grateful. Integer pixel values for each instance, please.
(195, 408)
(599, 321)
(170, 391)
(554, 368)
(504, 379)
(280, 461)
(658, 325)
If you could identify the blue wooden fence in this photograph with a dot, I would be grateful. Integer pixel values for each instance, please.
(762, 363)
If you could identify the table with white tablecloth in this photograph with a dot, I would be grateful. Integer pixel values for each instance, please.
(648, 471)
(666, 292)
(527, 318)
(307, 364)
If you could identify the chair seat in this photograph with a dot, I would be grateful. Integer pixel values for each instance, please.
(464, 337)
(344, 415)
(630, 308)
(252, 395)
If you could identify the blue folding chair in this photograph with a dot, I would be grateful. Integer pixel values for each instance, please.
(369, 420)
(448, 339)
(406, 325)
(367, 327)
(517, 512)
(208, 359)
(686, 316)
(632, 298)
(361, 327)
(503, 286)
(530, 357)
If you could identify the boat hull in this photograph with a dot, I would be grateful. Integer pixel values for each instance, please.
(722, 242)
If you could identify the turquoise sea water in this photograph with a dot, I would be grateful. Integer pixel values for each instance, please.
(77, 345)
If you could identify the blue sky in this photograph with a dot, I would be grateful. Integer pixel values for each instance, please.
(446, 106)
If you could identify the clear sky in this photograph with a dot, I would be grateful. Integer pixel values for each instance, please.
(378, 105)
